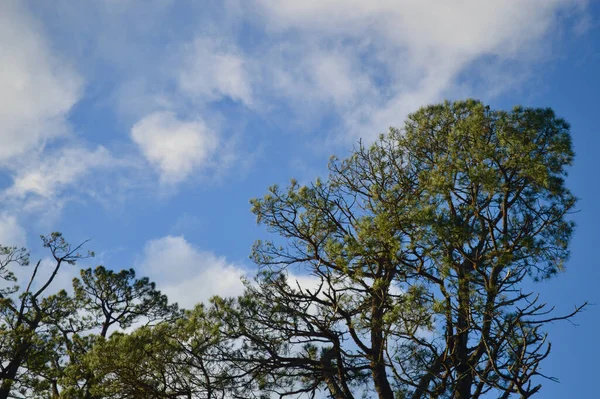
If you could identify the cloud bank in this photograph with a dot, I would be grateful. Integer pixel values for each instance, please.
(187, 274)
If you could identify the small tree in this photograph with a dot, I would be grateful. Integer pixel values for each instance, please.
(44, 337)
(118, 298)
(26, 314)
(418, 247)
(106, 300)
(169, 360)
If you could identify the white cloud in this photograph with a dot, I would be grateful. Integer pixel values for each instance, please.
(37, 87)
(317, 76)
(186, 274)
(377, 60)
(175, 147)
(50, 175)
(11, 233)
(428, 29)
(210, 69)
(334, 73)
(468, 26)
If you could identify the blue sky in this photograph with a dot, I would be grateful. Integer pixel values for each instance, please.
(148, 125)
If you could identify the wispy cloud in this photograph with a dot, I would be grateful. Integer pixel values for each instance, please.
(210, 69)
(376, 61)
(44, 181)
(48, 176)
(38, 87)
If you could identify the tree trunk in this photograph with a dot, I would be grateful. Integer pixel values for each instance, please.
(377, 361)
(10, 372)
(464, 375)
